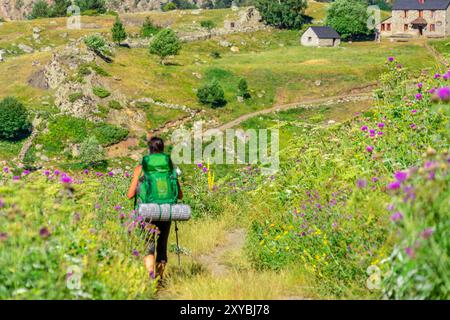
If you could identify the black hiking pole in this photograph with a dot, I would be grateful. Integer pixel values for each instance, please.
(178, 246)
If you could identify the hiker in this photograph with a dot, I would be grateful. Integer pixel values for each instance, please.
(156, 165)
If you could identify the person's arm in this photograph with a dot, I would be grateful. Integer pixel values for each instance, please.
(134, 182)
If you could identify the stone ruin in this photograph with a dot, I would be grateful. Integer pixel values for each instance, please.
(248, 18)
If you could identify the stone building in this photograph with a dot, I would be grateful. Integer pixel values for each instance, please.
(248, 18)
(320, 37)
(416, 18)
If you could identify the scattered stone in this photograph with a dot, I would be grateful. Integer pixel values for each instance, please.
(225, 43)
(318, 83)
(35, 63)
(25, 48)
(39, 80)
(240, 99)
(1, 55)
(46, 49)
(38, 147)
(331, 122)
(197, 75)
(64, 35)
(235, 49)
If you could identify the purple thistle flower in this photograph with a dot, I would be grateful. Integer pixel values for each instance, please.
(361, 183)
(410, 252)
(369, 149)
(414, 111)
(381, 125)
(437, 76)
(375, 179)
(6, 170)
(446, 76)
(47, 173)
(118, 208)
(97, 206)
(2, 203)
(86, 171)
(364, 128)
(413, 126)
(394, 185)
(427, 233)
(205, 169)
(401, 176)
(419, 96)
(444, 93)
(26, 172)
(390, 59)
(200, 165)
(397, 216)
(57, 172)
(380, 133)
(420, 85)
(121, 216)
(65, 179)
(432, 90)
(135, 253)
(431, 175)
(3, 236)
(44, 233)
(99, 174)
(16, 178)
(111, 174)
(127, 174)
(390, 207)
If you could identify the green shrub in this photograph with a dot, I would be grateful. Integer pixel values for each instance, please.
(208, 25)
(149, 29)
(212, 94)
(101, 92)
(98, 45)
(165, 43)
(91, 152)
(14, 119)
(243, 89)
(113, 104)
(169, 6)
(216, 55)
(91, 6)
(108, 134)
(75, 96)
(41, 9)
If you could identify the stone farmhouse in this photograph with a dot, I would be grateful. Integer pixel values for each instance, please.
(320, 37)
(417, 18)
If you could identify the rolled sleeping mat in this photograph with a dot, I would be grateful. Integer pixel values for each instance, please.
(165, 212)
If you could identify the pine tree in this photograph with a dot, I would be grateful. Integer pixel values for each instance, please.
(118, 31)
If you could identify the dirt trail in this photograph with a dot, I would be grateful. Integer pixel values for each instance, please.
(213, 261)
(288, 106)
(439, 57)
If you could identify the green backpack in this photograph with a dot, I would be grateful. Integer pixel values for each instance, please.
(159, 183)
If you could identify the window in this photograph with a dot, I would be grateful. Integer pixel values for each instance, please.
(309, 39)
(432, 27)
(421, 1)
(432, 13)
(383, 27)
(405, 27)
(405, 13)
(421, 13)
(388, 27)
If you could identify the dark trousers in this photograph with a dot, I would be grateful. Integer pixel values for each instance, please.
(161, 240)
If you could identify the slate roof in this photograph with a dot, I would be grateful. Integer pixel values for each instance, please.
(416, 5)
(326, 33)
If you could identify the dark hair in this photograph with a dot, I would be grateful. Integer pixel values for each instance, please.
(156, 145)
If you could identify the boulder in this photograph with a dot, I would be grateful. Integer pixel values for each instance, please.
(235, 49)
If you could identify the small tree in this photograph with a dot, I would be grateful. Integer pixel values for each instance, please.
(243, 89)
(148, 28)
(286, 14)
(212, 94)
(14, 123)
(349, 18)
(118, 31)
(91, 152)
(208, 25)
(166, 43)
(41, 9)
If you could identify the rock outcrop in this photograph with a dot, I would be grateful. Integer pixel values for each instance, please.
(20, 9)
